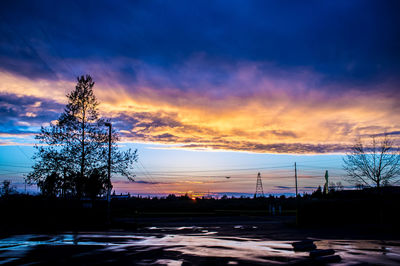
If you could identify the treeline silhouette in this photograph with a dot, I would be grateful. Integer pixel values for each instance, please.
(368, 206)
(379, 206)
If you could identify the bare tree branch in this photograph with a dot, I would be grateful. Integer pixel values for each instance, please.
(374, 165)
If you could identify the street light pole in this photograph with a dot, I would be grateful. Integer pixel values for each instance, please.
(109, 172)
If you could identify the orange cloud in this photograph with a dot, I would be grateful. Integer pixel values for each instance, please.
(250, 112)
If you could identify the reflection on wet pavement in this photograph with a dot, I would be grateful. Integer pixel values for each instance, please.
(182, 245)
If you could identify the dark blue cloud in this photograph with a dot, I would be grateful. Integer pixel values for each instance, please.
(147, 182)
(25, 114)
(282, 187)
(347, 41)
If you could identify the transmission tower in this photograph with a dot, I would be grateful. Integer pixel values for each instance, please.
(259, 187)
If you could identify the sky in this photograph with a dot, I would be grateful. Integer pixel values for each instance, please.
(206, 89)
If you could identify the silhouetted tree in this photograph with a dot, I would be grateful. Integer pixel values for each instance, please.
(373, 165)
(359, 186)
(339, 186)
(317, 193)
(97, 183)
(6, 188)
(171, 197)
(50, 186)
(76, 146)
(332, 187)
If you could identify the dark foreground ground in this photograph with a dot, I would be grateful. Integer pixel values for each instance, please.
(229, 240)
(362, 227)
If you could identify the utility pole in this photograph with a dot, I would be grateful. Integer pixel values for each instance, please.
(295, 176)
(109, 172)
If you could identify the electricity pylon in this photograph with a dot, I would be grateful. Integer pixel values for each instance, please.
(259, 187)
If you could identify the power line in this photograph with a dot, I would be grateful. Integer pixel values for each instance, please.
(148, 175)
(220, 170)
(13, 173)
(15, 166)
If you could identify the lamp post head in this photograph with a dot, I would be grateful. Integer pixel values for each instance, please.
(107, 124)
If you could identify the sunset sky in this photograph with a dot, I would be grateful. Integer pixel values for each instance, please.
(206, 89)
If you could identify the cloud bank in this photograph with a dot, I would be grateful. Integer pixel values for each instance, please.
(208, 75)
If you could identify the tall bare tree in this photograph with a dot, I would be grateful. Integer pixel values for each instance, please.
(375, 164)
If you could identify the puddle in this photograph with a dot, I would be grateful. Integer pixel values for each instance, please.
(168, 262)
(195, 243)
